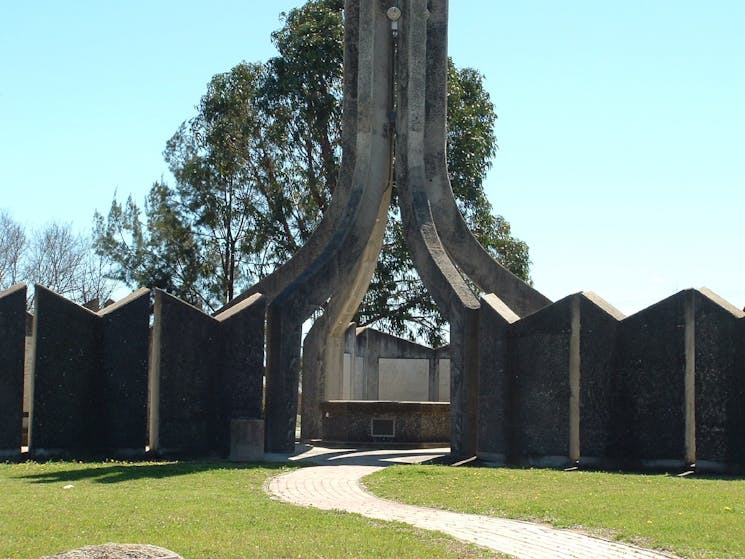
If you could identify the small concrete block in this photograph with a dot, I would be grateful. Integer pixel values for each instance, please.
(246, 440)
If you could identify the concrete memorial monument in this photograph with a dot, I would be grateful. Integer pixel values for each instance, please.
(523, 380)
(395, 98)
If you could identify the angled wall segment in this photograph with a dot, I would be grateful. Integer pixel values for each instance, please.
(66, 406)
(204, 372)
(184, 378)
(494, 379)
(599, 324)
(540, 411)
(718, 386)
(241, 337)
(12, 352)
(650, 393)
(460, 243)
(546, 381)
(738, 414)
(125, 343)
(89, 382)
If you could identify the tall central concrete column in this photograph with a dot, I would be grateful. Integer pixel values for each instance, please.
(389, 44)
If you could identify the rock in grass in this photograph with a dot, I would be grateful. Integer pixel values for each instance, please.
(117, 551)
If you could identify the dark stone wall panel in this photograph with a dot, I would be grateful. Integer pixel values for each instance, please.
(186, 369)
(599, 324)
(737, 436)
(124, 373)
(539, 360)
(12, 355)
(240, 393)
(649, 401)
(66, 404)
(719, 396)
(205, 372)
(494, 383)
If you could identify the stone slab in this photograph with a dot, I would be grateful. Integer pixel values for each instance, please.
(599, 323)
(649, 421)
(718, 384)
(494, 378)
(246, 440)
(125, 344)
(539, 411)
(12, 357)
(404, 379)
(66, 402)
(117, 551)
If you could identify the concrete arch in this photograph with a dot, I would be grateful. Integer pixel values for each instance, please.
(438, 272)
(461, 245)
(352, 236)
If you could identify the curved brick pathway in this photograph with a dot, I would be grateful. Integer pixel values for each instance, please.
(335, 485)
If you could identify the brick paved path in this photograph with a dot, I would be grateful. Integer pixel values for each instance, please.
(336, 486)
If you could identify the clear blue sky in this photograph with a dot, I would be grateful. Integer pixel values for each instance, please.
(621, 125)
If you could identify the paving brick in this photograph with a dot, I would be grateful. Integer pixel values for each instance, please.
(336, 485)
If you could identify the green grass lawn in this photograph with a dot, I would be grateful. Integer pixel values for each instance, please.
(694, 516)
(201, 511)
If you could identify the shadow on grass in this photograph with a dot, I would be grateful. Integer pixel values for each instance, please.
(118, 472)
(478, 463)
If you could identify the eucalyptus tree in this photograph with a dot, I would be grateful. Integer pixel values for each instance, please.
(257, 165)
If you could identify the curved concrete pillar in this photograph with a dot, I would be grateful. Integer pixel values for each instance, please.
(329, 271)
(436, 269)
(462, 246)
(323, 348)
(273, 284)
(333, 270)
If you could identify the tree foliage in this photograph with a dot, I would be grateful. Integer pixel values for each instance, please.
(256, 168)
(53, 256)
(12, 245)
